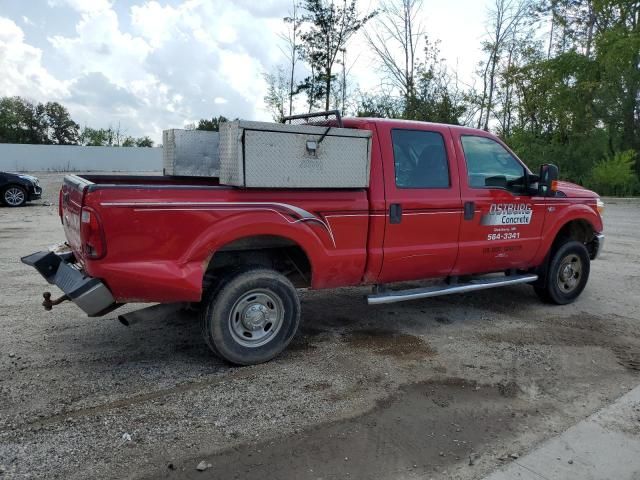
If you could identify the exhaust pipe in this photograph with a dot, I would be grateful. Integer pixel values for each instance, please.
(154, 311)
(125, 321)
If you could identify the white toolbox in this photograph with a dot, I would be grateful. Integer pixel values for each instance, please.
(276, 155)
(190, 153)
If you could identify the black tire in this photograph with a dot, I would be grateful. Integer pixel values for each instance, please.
(567, 274)
(250, 316)
(14, 196)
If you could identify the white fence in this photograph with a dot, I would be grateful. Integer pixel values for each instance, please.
(70, 158)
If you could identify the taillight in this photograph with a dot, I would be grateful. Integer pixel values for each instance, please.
(60, 206)
(91, 234)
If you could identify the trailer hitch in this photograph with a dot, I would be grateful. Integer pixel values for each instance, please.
(48, 303)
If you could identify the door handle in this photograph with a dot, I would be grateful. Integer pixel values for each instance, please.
(469, 210)
(395, 213)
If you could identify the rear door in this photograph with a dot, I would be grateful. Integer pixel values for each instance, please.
(502, 225)
(424, 209)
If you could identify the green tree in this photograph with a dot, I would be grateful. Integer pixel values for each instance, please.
(380, 106)
(144, 142)
(435, 96)
(579, 101)
(277, 93)
(22, 122)
(212, 125)
(62, 130)
(395, 38)
(615, 175)
(292, 48)
(329, 26)
(97, 137)
(130, 141)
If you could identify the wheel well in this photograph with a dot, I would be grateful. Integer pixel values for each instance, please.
(278, 253)
(12, 184)
(580, 230)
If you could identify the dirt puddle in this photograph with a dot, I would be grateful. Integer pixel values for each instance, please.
(422, 430)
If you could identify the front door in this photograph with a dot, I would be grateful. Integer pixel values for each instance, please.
(423, 208)
(502, 225)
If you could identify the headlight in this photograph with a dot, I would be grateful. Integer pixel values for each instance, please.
(600, 206)
(30, 178)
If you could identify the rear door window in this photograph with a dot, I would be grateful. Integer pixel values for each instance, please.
(420, 159)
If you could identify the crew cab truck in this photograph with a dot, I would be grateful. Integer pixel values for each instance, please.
(443, 202)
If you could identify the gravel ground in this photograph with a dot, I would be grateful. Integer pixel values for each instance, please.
(450, 387)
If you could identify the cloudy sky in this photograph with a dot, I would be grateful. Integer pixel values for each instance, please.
(152, 65)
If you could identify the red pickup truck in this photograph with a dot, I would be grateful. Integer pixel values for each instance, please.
(444, 202)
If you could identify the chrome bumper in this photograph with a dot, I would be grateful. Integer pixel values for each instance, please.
(89, 293)
(598, 245)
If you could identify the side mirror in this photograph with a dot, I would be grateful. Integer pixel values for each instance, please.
(548, 178)
(497, 181)
(532, 178)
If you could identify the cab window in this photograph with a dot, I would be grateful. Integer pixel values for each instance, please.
(490, 165)
(420, 159)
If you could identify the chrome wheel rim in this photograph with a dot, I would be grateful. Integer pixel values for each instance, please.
(14, 196)
(569, 273)
(256, 318)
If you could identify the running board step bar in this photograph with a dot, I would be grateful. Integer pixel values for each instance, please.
(478, 284)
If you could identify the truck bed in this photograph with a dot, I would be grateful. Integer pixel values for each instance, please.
(160, 232)
(147, 180)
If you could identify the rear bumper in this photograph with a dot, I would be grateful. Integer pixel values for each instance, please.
(89, 293)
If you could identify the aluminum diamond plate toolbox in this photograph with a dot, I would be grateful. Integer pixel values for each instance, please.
(190, 153)
(275, 155)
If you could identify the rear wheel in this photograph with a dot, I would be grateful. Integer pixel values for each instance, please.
(14, 196)
(250, 316)
(567, 274)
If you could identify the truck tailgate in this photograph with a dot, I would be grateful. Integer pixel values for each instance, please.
(71, 197)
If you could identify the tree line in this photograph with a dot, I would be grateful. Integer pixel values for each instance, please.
(569, 96)
(22, 121)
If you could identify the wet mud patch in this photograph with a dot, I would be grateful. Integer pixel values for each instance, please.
(625, 348)
(421, 430)
(307, 338)
(300, 344)
(564, 336)
(509, 389)
(608, 325)
(309, 331)
(628, 356)
(443, 320)
(389, 343)
(317, 387)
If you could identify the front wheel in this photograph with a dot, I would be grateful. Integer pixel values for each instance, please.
(14, 196)
(250, 316)
(567, 274)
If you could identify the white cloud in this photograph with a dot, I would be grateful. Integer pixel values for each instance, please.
(100, 46)
(152, 65)
(155, 23)
(21, 66)
(195, 60)
(82, 6)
